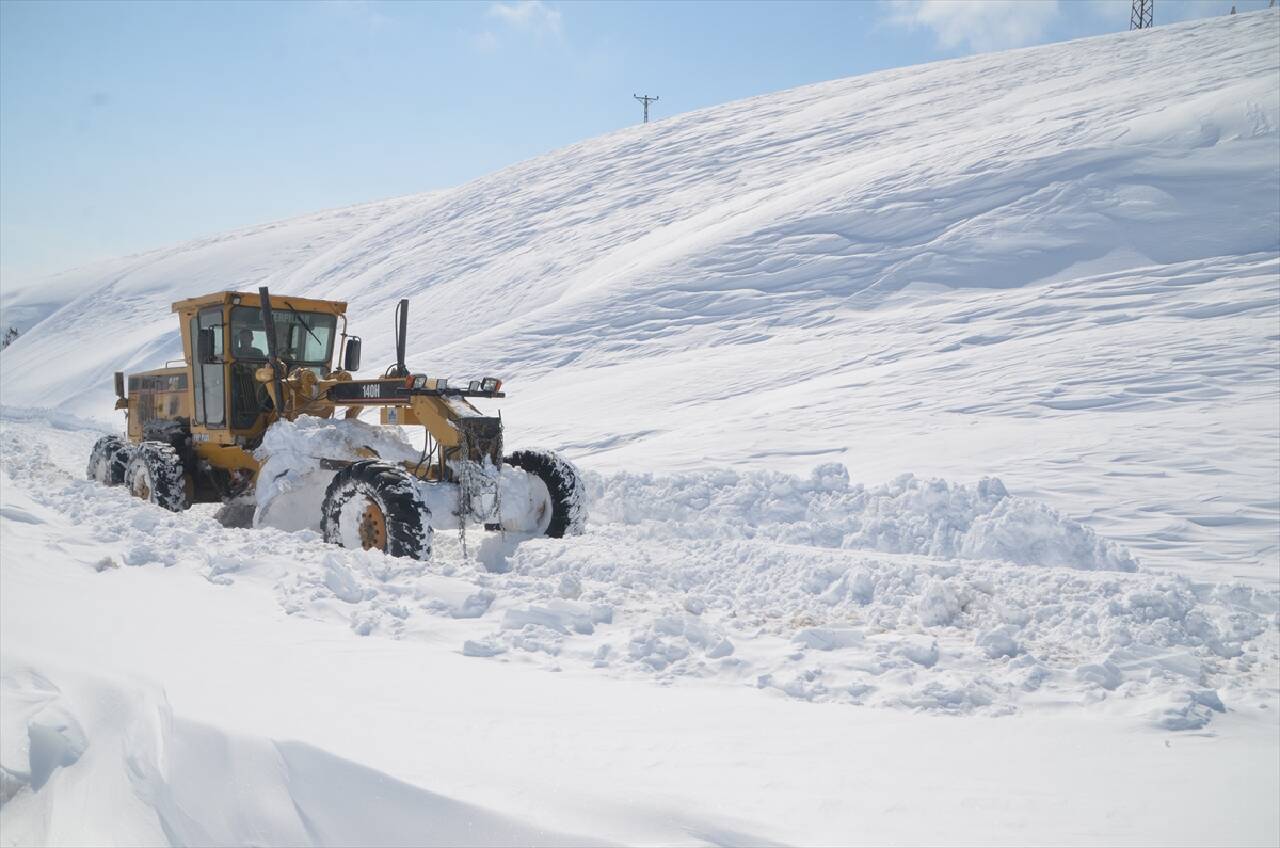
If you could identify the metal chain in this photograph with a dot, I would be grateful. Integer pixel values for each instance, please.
(464, 488)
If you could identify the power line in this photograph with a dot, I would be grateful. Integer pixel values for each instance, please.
(1142, 15)
(646, 100)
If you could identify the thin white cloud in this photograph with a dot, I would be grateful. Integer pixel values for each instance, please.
(530, 15)
(977, 25)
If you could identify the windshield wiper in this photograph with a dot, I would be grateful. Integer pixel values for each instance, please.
(305, 326)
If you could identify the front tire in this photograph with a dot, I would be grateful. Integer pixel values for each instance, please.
(155, 474)
(108, 461)
(564, 486)
(376, 506)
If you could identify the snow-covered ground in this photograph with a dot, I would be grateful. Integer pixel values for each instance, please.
(931, 422)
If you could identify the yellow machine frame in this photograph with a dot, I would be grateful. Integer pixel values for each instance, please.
(164, 396)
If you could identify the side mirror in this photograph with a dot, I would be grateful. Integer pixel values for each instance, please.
(204, 346)
(351, 354)
(120, 384)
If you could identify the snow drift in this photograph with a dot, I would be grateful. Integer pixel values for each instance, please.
(164, 780)
(906, 516)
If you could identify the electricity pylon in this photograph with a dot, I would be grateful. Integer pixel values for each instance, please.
(646, 100)
(1142, 15)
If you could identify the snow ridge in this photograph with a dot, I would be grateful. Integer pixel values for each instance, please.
(907, 516)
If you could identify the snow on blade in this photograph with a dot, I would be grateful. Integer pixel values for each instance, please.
(291, 482)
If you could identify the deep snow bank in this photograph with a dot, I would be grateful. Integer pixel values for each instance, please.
(80, 751)
(906, 516)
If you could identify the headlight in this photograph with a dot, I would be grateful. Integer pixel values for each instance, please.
(442, 383)
(490, 384)
(420, 381)
(473, 386)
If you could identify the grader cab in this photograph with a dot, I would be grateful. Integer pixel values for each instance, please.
(195, 431)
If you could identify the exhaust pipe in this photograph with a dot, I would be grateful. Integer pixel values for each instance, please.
(402, 329)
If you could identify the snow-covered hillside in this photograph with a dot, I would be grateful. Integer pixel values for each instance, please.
(951, 390)
(1055, 265)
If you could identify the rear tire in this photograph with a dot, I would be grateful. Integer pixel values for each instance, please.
(108, 461)
(155, 474)
(373, 505)
(564, 485)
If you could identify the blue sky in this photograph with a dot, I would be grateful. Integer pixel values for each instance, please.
(126, 126)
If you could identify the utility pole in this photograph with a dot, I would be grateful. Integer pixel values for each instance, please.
(646, 100)
(1142, 14)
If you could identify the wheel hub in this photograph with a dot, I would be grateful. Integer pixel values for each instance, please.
(372, 528)
(531, 513)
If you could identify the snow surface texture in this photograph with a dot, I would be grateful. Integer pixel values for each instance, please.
(907, 516)
(1041, 305)
(629, 600)
(192, 784)
(891, 596)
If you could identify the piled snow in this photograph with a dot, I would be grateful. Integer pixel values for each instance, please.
(745, 592)
(291, 482)
(907, 516)
(891, 630)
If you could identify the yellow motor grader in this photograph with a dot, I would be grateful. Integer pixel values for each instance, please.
(195, 431)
